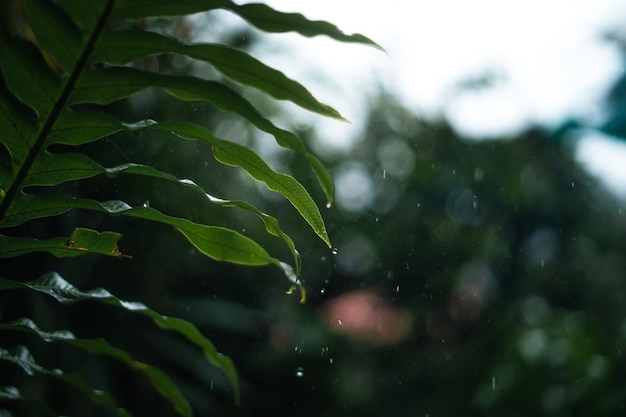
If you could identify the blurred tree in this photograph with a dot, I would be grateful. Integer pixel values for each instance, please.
(476, 278)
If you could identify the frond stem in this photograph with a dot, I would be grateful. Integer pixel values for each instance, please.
(39, 144)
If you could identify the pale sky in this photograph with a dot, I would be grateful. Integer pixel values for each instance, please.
(547, 60)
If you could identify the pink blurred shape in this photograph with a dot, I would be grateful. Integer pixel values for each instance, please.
(364, 315)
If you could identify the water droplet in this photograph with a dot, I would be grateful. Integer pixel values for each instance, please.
(299, 372)
(335, 251)
(323, 290)
(339, 322)
(384, 173)
(542, 262)
(572, 184)
(397, 288)
(328, 205)
(493, 383)
(146, 203)
(331, 361)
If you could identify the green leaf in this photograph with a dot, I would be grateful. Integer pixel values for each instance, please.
(27, 76)
(106, 85)
(101, 347)
(55, 286)
(80, 127)
(258, 14)
(217, 242)
(272, 225)
(81, 242)
(92, 241)
(122, 47)
(234, 154)
(22, 357)
(269, 20)
(55, 32)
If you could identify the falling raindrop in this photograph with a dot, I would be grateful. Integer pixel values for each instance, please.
(322, 291)
(339, 322)
(299, 372)
(335, 251)
(384, 173)
(331, 361)
(146, 203)
(572, 184)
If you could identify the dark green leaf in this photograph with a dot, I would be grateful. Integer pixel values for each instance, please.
(81, 242)
(64, 292)
(258, 14)
(122, 47)
(234, 154)
(106, 85)
(101, 347)
(269, 20)
(55, 33)
(22, 357)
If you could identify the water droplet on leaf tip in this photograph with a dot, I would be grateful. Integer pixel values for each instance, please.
(328, 205)
(335, 251)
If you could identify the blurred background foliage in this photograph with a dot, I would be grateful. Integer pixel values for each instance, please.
(468, 277)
